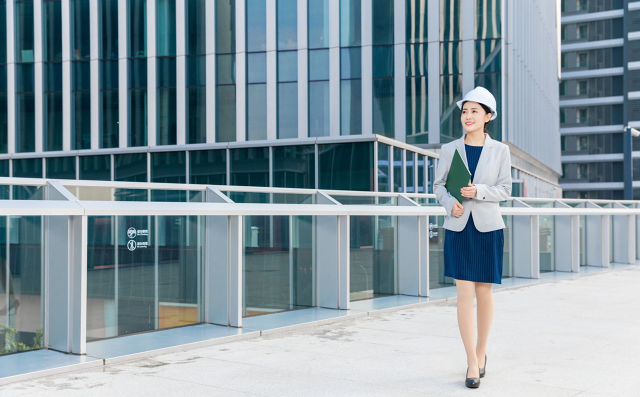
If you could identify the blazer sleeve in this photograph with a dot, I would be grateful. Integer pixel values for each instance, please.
(444, 197)
(502, 189)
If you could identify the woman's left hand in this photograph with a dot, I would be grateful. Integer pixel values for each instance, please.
(469, 191)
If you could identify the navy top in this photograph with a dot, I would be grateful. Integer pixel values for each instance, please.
(471, 254)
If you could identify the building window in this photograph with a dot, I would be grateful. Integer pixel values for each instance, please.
(417, 120)
(582, 59)
(563, 88)
(581, 31)
(256, 70)
(350, 68)
(137, 72)
(581, 116)
(318, 22)
(581, 87)
(563, 116)
(450, 70)
(196, 72)
(225, 71)
(80, 76)
(166, 111)
(24, 73)
(581, 5)
(109, 74)
(287, 69)
(383, 68)
(52, 75)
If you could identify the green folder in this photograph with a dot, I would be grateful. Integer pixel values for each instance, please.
(458, 177)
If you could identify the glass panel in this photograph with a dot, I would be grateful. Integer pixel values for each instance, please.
(81, 120)
(365, 200)
(225, 26)
(383, 113)
(450, 22)
(287, 110)
(410, 170)
(488, 58)
(137, 118)
(80, 34)
(4, 167)
(109, 118)
(350, 28)
(225, 69)
(101, 278)
(22, 326)
(350, 107)
(226, 113)
(450, 58)
(451, 91)
(108, 38)
(294, 166)
(507, 258)
(346, 166)
(382, 61)
(288, 66)
(130, 167)
(270, 198)
(437, 279)
(3, 114)
(61, 167)
(287, 24)
(27, 168)
(416, 59)
(24, 77)
(166, 72)
(3, 33)
(351, 63)
(52, 32)
(318, 23)
(318, 108)
(278, 264)
(383, 167)
(257, 68)
(250, 166)
(417, 112)
(25, 122)
(373, 256)
(256, 25)
(196, 70)
(168, 167)
(196, 28)
(488, 19)
(547, 253)
(137, 28)
(422, 167)
(196, 114)
(416, 12)
(208, 167)
(167, 117)
(52, 120)
(23, 21)
(492, 82)
(397, 170)
(22, 192)
(97, 168)
(319, 65)
(256, 112)
(382, 22)
(166, 27)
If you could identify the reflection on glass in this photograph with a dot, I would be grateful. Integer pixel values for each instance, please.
(437, 279)
(256, 112)
(27, 168)
(450, 21)
(250, 166)
(372, 256)
(294, 166)
(350, 27)
(346, 166)
(288, 110)
(383, 168)
(383, 107)
(416, 11)
(488, 20)
(451, 91)
(208, 167)
(130, 167)
(256, 25)
(351, 107)
(382, 22)
(410, 171)
(318, 108)
(168, 167)
(547, 253)
(318, 23)
(398, 185)
(287, 24)
(95, 167)
(61, 167)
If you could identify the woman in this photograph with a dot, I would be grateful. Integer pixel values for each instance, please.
(474, 240)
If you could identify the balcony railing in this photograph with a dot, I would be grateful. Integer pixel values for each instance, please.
(85, 260)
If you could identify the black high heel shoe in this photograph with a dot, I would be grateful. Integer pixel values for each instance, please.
(471, 383)
(483, 368)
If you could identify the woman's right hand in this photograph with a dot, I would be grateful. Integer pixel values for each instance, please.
(457, 209)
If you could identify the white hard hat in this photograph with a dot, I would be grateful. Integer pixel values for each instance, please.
(483, 96)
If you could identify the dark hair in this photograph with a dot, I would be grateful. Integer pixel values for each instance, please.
(486, 110)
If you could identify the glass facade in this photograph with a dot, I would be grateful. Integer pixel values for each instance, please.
(383, 68)
(294, 166)
(488, 56)
(450, 69)
(346, 166)
(4, 130)
(196, 72)
(318, 42)
(208, 167)
(52, 75)
(61, 167)
(350, 67)
(24, 73)
(249, 166)
(416, 64)
(287, 34)
(225, 71)
(166, 111)
(256, 22)
(137, 72)
(108, 71)
(80, 75)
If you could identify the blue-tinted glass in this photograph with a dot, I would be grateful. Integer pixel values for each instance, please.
(225, 69)
(225, 113)
(350, 63)
(3, 78)
(225, 26)
(80, 120)
(256, 25)
(166, 72)
(422, 166)
(416, 63)
(318, 23)
(256, 112)
(108, 40)
(23, 23)
(450, 58)
(383, 107)
(196, 70)
(294, 166)
(80, 34)
(196, 114)
(24, 77)
(382, 61)
(319, 108)
(350, 28)
(25, 127)
(3, 118)
(346, 166)
(196, 28)
(4, 167)
(383, 167)
(52, 76)
(417, 110)
(410, 170)
(52, 31)
(450, 92)
(61, 167)
(27, 168)
(109, 118)
(137, 28)
(166, 116)
(166, 27)
(137, 73)
(137, 118)
(382, 22)
(130, 167)
(168, 167)
(3, 33)
(416, 12)
(108, 71)
(318, 65)
(488, 56)
(287, 24)
(350, 107)
(249, 166)
(208, 167)
(287, 110)
(52, 120)
(398, 185)
(488, 19)
(288, 66)
(257, 67)
(97, 168)
(492, 82)
(80, 75)
(450, 22)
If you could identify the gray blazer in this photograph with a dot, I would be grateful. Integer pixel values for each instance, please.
(492, 180)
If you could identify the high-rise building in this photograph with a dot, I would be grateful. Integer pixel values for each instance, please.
(149, 90)
(599, 97)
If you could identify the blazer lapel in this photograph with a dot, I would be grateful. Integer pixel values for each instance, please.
(461, 150)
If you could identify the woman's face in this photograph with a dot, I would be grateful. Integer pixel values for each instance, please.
(474, 117)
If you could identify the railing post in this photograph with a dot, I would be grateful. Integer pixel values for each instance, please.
(413, 252)
(566, 240)
(526, 244)
(222, 266)
(637, 217)
(597, 238)
(332, 258)
(624, 242)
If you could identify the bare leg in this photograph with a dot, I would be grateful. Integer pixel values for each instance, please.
(484, 295)
(466, 323)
